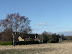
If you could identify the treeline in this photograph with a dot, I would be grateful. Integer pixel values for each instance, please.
(51, 38)
(68, 37)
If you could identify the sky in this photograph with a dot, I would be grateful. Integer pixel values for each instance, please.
(45, 15)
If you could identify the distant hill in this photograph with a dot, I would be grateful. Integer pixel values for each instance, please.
(68, 37)
(67, 33)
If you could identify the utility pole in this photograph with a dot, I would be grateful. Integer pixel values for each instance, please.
(42, 38)
(13, 39)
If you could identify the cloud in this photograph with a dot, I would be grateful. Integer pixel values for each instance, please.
(36, 29)
(46, 24)
(41, 24)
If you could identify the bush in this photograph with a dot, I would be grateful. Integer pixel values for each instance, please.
(6, 43)
(54, 38)
(51, 38)
(45, 37)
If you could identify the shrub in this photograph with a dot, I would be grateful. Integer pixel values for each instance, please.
(54, 38)
(45, 37)
(51, 38)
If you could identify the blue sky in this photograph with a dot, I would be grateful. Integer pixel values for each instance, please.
(45, 15)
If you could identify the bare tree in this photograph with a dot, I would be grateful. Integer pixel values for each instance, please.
(15, 23)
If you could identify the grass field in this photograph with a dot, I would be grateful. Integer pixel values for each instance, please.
(49, 48)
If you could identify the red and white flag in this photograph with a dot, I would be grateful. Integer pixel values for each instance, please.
(35, 36)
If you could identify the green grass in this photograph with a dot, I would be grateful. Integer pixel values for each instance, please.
(6, 43)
